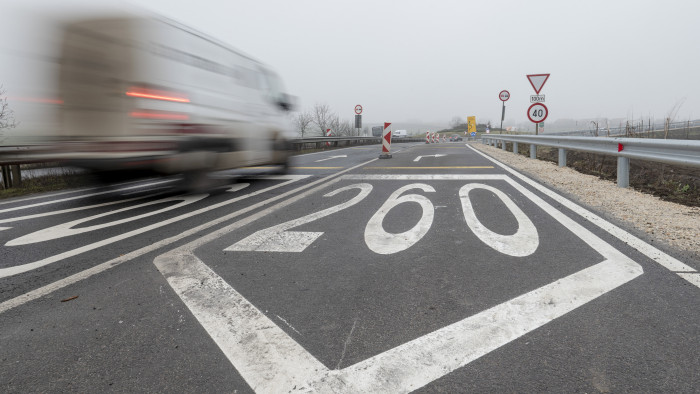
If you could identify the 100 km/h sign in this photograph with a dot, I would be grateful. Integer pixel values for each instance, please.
(537, 113)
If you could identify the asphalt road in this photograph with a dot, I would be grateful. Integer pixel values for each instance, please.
(437, 270)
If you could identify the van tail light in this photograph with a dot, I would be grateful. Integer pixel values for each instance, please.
(157, 94)
(158, 115)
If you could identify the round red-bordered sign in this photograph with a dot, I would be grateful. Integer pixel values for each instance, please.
(537, 114)
(358, 109)
(504, 95)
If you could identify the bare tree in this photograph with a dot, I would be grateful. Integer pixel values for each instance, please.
(322, 117)
(456, 122)
(302, 122)
(7, 116)
(671, 116)
(7, 121)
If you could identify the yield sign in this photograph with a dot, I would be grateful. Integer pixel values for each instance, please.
(537, 81)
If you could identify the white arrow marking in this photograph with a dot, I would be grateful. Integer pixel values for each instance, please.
(420, 157)
(331, 157)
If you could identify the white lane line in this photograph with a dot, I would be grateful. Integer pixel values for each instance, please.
(18, 269)
(406, 367)
(663, 259)
(41, 215)
(59, 284)
(68, 229)
(81, 196)
(263, 353)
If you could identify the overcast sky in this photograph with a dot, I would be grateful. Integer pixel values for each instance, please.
(433, 60)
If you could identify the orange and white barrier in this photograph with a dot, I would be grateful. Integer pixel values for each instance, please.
(427, 137)
(328, 134)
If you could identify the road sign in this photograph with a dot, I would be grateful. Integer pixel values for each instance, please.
(358, 109)
(504, 95)
(537, 99)
(537, 113)
(473, 133)
(471, 123)
(537, 81)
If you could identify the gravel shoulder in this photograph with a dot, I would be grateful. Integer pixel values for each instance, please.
(675, 226)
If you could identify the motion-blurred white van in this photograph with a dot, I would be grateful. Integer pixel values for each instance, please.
(147, 95)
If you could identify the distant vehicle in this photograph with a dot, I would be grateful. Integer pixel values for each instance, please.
(399, 134)
(456, 137)
(377, 131)
(145, 95)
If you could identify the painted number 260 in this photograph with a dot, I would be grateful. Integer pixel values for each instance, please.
(280, 238)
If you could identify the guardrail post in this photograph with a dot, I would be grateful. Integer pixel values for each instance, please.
(533, 151)
(503, 144)
(515, 147)
(623, 171)
(562, 157)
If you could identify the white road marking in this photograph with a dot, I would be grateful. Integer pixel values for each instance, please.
(279, 239)
(381, 242)
(663, 259)
(82, 196)
(40, 215)
(525, 240)
(66, 229)
(59, 284)
(9, 271)
(331, 158)
(5, 228)
(270, 361)
(435, 155)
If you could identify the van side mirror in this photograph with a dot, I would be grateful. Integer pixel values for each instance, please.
(286, 102)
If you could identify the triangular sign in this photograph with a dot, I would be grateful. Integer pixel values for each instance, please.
(537, 81)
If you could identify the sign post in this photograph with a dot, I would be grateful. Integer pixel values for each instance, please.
(358, 118)
(504, 96)
(537, 81)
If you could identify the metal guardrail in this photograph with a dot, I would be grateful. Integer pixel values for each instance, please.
(633, 127)
(679, 152)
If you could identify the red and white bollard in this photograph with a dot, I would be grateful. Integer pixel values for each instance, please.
(386, 142)
(444, 138)
(328, 134)
(427, 137)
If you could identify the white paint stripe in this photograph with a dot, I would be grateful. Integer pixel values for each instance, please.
(10, 271)
(42, 291)
(81, 196)
(41, 215)
(430, 357)
(650, 251)
(692, 277)
(409, 366)
(50, 288)
(5, 228)
(268, 359)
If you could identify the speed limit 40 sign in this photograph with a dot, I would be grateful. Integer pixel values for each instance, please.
(537, 113)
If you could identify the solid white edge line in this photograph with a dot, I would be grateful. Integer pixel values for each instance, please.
(663, 259)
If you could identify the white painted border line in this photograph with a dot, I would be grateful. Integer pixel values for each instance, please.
(275, 363)
(59, 284)
(42, 291)
(663, 259)
(82, 196)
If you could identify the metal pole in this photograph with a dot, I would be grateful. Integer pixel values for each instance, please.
(537, 128)
(503, 114)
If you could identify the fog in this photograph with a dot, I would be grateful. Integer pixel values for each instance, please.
(423, 62)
